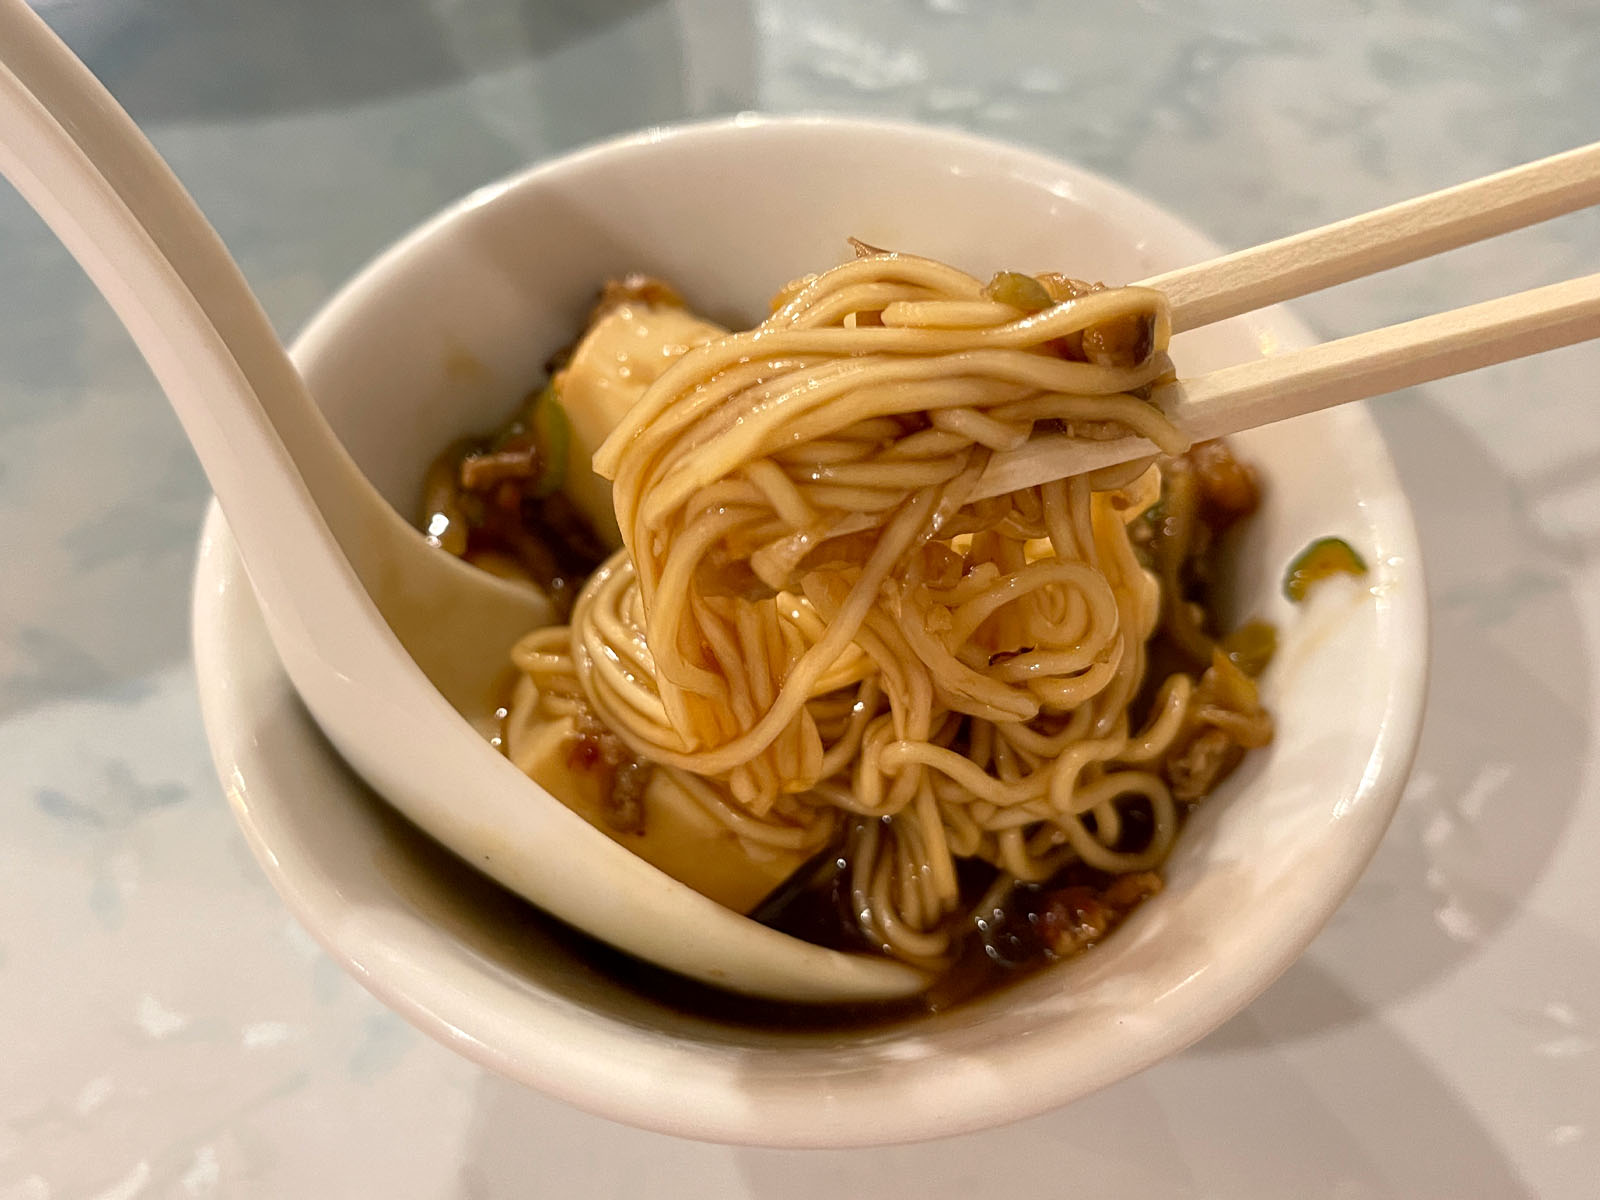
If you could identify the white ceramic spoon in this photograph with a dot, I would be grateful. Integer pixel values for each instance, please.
(380, 633)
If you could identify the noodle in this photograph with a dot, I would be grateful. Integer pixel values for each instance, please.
(820, 634)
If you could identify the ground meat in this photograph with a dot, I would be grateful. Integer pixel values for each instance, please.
(1124, 341)
(1071, 919)
(1196, 769)
(595, 748)
(483, 472)
(1228, 489)
(1126, 892)
(480, 502)
(623, 806)
(636, 288)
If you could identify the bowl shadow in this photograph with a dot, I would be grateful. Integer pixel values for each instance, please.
(1506, 731)
(1264, 1123)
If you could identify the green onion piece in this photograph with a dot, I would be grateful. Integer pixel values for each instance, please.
(1019, 291)
(1251, 646)
(551, 434)
(1324, 557)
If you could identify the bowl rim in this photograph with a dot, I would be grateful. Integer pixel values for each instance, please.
(607, 1070)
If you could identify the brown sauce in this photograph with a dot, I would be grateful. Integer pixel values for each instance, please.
(486, 499)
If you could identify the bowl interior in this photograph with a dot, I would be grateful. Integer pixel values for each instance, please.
(446, 332)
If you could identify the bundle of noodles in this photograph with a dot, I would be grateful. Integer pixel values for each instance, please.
(821, 634)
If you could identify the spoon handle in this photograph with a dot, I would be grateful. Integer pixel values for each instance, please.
(173, 333)
(141, 193)
(112, 200)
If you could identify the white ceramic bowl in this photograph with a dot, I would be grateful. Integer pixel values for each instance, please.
(446, 331)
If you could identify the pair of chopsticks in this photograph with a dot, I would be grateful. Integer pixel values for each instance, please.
(1265, 390)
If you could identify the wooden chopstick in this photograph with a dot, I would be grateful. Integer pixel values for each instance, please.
(1376, 241)
(1384, 360)
(1265, 390)
(1262, 391)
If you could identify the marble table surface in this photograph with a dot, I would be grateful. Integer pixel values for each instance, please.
(167, 1031)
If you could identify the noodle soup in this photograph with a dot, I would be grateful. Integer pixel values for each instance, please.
(807, 672)
(441, 336)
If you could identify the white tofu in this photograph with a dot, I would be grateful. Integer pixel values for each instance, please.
(624, 352)
(618, 359)
(679, 837)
